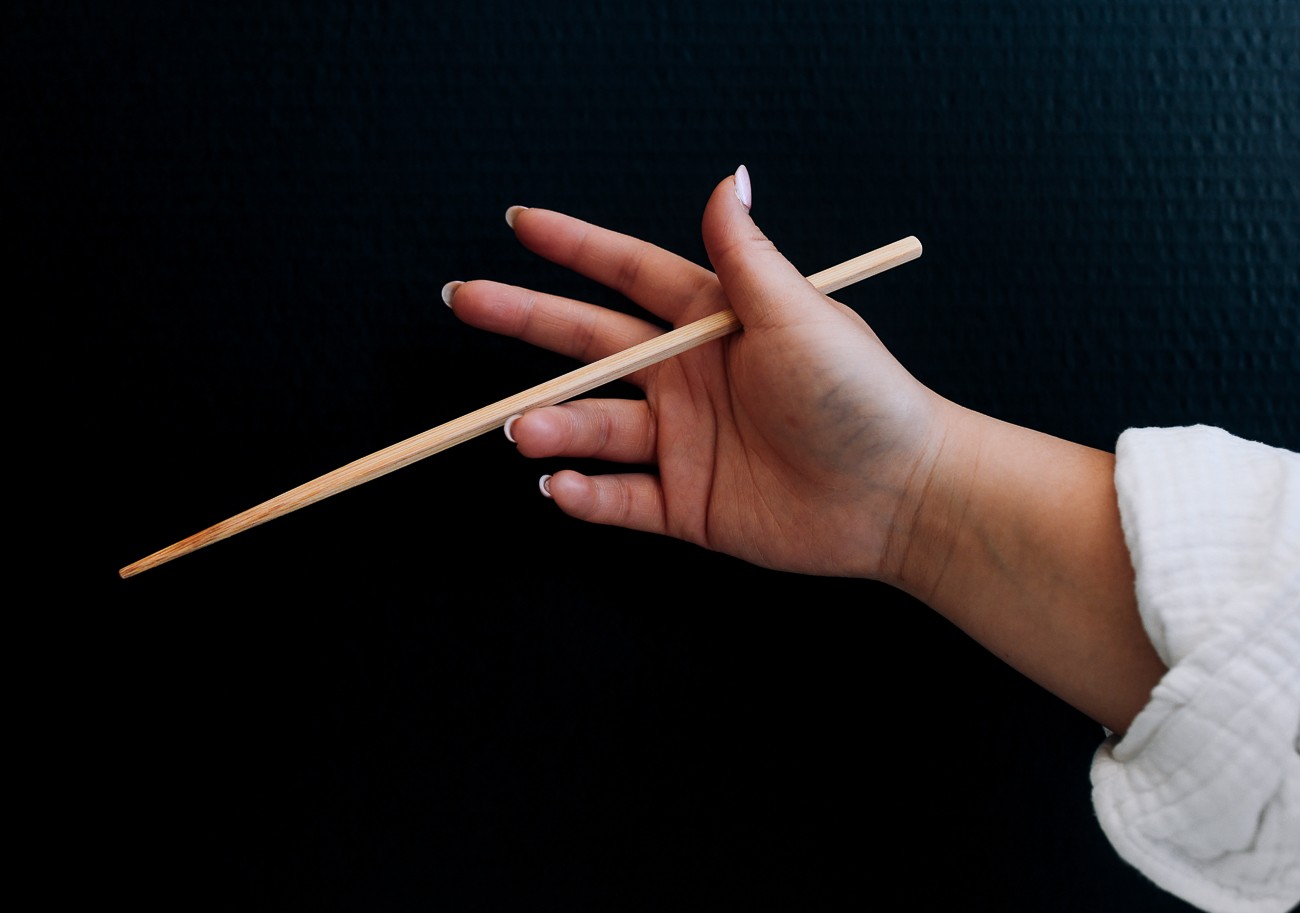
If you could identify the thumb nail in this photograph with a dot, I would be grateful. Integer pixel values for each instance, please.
(744, 190)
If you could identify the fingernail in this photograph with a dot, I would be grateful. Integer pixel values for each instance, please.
(544, 485)
(744, 190)
(449, 290)
(510, 421)
(512, 212)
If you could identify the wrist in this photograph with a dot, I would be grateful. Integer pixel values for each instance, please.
(927, 527)
(1015, 537)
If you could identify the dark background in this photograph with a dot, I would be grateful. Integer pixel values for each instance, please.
(228, 228)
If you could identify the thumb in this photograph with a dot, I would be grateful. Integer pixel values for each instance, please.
(763, 287)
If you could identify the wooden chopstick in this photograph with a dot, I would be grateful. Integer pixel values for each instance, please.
(473, 424)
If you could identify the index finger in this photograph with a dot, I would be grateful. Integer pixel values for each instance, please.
(665, 284)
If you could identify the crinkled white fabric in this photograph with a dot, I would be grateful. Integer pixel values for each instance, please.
(1202, 795)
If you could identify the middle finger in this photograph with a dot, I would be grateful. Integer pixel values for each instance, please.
(583, 331)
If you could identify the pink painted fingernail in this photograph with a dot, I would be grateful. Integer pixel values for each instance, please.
(512, 212)
(449, 291)
(544, 486)
(744, 190)
(510, 421)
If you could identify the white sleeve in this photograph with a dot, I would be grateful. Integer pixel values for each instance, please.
(1202, 795)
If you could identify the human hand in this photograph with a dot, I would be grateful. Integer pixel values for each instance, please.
(793, 444)
(800, 443)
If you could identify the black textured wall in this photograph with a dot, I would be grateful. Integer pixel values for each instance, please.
(229, 224)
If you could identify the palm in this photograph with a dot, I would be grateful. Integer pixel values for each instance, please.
(747, 469)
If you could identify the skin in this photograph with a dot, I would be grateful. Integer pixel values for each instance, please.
(801, 444)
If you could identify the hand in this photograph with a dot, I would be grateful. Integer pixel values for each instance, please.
(792, 444)
(800, 443)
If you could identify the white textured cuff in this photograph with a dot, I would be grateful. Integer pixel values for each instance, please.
(1202, 794)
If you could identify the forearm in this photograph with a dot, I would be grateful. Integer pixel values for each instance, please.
(1016, 539)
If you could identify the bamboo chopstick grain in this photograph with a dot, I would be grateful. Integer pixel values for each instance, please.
(473, 424)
